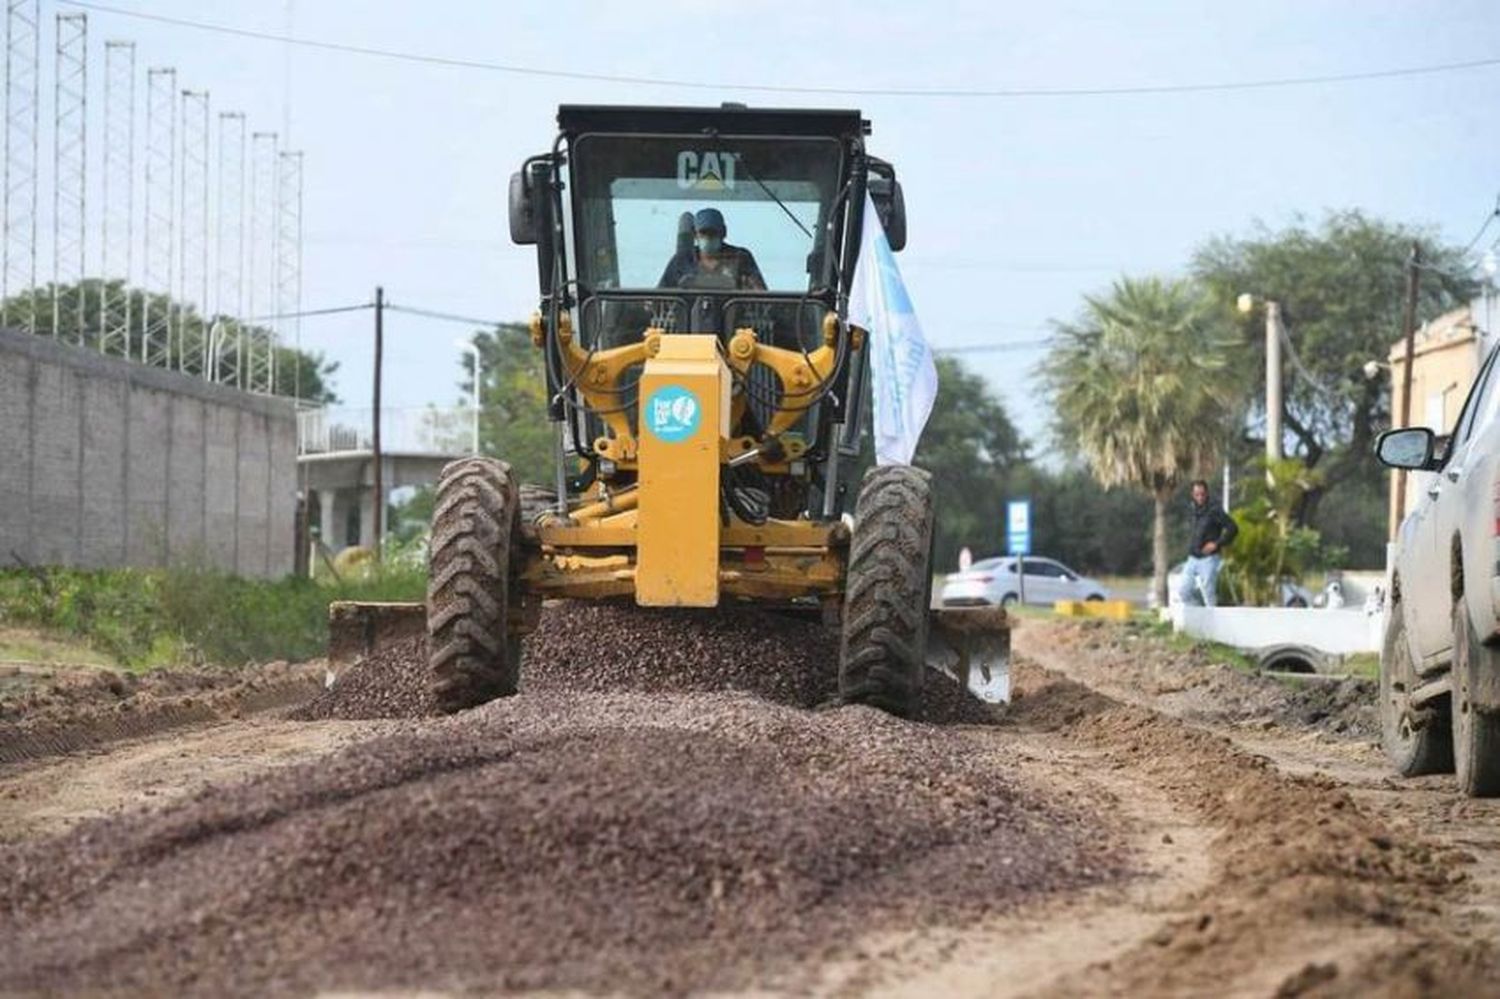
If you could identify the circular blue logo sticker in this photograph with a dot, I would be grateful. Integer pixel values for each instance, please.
(672, 413)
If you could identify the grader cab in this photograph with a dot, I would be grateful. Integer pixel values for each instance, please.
(707, 395)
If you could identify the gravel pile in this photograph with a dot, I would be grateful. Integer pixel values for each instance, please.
(583, 647)
(644, 842)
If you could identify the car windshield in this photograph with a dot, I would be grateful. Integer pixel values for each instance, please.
(637, 199)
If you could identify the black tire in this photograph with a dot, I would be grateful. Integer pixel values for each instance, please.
(1009, 600)
(1416, 742)
(472, 658)
(1476, 730)
(1095, 598)
(887, 591)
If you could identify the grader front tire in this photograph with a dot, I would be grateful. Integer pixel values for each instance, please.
(887, 591)
(472, 657)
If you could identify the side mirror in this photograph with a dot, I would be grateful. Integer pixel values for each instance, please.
(1408, 447)
(522, 212)
(890, 205)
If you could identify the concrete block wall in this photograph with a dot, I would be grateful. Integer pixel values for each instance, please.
(107, 463)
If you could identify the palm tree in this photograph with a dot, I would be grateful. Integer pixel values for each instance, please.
(1142, 389)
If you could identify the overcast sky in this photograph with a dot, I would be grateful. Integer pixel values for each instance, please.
(1016, 206)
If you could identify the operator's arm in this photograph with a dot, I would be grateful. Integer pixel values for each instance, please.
(1227, 529)
(676, 268)
(749, 270)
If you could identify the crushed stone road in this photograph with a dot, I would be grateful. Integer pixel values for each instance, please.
(673, 805)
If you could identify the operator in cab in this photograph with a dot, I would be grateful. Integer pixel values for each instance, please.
(710, 262)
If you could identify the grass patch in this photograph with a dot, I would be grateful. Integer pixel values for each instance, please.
(30, 645)
(1151, 626)
(1365, 665)
(145, 618)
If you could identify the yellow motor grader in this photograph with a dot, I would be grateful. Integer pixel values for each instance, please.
(707, 395)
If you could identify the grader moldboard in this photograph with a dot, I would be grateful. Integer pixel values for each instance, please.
(707, 394)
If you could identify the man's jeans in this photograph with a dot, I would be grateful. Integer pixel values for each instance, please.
(1200, 578)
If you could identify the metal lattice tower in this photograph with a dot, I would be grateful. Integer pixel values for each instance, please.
(229, 290)
(289, 250)
(161, 216)
(70, 174)
(22, 77)
(261, 259)
(193, 227)
(118, 235)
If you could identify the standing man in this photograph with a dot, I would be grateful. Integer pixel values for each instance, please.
(1212, 531)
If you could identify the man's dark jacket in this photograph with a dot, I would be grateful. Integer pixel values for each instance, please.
(736, 265)
(1210, 523)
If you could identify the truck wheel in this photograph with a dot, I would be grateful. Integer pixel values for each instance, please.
(887, 591)
(1476, 728)
(472, 658)
(1416, 742)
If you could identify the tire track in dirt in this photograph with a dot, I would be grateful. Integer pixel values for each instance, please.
(1325, 883)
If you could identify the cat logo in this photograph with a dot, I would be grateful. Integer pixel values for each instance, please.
(709, 171)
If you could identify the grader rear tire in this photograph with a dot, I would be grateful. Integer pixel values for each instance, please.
(472, 658)
(887, 591)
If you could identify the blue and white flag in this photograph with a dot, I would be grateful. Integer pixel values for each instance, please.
(904, 377)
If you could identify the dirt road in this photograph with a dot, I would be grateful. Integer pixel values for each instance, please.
(670, 812)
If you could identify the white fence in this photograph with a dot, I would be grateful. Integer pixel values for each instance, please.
(426, 430)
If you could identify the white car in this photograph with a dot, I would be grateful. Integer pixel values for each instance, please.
(1440, 663)
(995, 581)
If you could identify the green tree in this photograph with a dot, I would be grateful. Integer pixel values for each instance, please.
(305, 374)
(1139, 385)
(969, 446)
(1342, 288)
(1271, 547)
(513, 401)
(1091, 529)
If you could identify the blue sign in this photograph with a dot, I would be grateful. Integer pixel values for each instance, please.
(673, 413)
(1018, 527)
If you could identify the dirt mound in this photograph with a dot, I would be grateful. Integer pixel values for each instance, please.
(558, 840)
(84, 710)
(1299, 861)
(1195, 683)
(601, 648)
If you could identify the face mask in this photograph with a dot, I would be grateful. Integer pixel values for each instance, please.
(708, 244)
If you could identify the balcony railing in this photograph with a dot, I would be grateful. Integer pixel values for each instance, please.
(430, 430)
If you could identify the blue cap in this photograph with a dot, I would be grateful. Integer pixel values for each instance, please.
(708, 219)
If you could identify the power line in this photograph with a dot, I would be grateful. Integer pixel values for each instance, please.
(1487, 220)
(1006, 93)
(413, 310)
(994, 348)
(308, 312)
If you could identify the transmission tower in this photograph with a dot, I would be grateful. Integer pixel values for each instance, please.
(23, 57)
(161, 170)
(70, 173)
(289, 253)
(118, 236)
(229, 292)
(192, 242)
(262, 261)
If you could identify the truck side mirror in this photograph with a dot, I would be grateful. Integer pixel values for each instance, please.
(1407, 447)
(890, 205)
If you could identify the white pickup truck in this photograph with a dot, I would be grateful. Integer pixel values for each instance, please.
(1440, 663)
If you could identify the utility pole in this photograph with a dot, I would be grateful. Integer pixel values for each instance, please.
(1273, 384)
(379, 501)
(1409, 332)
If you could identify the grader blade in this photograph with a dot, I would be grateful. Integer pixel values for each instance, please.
(357, 630)
(971, 646)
